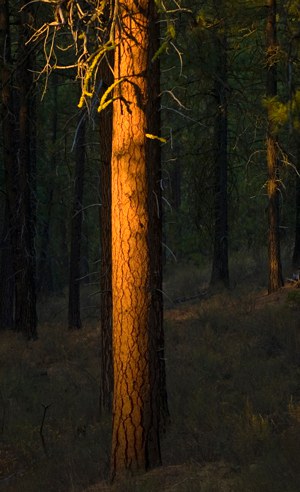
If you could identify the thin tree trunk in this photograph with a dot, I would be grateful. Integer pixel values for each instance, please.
(220, 271)
(25, 219)
(45, 280)
(74, 320)
(105, 129)
(6, 275)
(275, 269)
(296, 252)
(136, 299)
(153, 159)
(7, 118)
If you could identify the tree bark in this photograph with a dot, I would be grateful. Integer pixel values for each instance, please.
(7, 118)
(23, 202)
(137, 303)
(275, 269)
(6, 275)
(105, 129)
(74, 319)
(296, 252)
(220, 270)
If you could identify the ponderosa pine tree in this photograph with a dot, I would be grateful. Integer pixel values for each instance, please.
(273, 183)
(24, 211)
(138, 344)
(7, 120)
(19, 162)
(137, 306)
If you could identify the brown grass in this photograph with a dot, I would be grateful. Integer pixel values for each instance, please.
(233, 368)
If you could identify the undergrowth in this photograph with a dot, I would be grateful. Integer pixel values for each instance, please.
(233, 370)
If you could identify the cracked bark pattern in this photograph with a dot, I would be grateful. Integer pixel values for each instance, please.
(135, 440)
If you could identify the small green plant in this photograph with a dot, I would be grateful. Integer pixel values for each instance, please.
(293, 298)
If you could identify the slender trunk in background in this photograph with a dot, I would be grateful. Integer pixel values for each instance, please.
(7, 119)
(74, 319)
(6, 275)
(45, 279)
(275, 269)
(296, 252)
(220, 271)
(153, 155)
(136, 261)
(24, 248)
(105, 129)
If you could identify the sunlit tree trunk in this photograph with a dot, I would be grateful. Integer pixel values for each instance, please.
(220, 271)
(105, 129)
(136, 298)
(275, 270)
(74, 319)
(7, 115)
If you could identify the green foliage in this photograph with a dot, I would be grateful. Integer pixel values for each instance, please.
(278, 112)
(293, 298)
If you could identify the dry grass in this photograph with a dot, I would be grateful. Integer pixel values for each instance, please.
(233, 367)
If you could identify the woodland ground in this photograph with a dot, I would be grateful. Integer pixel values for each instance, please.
(233, 369)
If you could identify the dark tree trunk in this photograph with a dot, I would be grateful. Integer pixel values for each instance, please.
(153, 159)
(45, 279)
(296, 252)
(275, 269)
(220, 271)
(6, 275)
(74, 320)
(105, 128)
(7, 119)
(25, 258)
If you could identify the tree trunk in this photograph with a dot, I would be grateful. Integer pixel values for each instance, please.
(275, 270)
(45, 279)
(296, 252)
(23, 205)
(137, 301)
(153, 156)
(105, 128)
(6, 266)
(6, 276)
(74, 320)
(220, 271)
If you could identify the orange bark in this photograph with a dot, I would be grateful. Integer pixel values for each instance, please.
(135, 442)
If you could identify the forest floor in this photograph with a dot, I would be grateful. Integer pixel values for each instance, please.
(233, 374)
